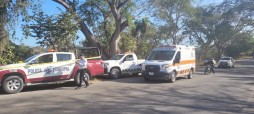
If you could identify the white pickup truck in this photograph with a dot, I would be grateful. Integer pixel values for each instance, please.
(119, 64)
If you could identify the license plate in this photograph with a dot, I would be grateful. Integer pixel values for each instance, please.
(151, 73)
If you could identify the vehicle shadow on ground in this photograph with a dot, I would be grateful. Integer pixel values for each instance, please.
(60, 86)
(138, 79)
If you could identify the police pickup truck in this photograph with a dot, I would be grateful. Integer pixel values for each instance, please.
(45, 68)
(119, 64)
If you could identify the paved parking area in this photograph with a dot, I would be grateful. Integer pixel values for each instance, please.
(229, 91)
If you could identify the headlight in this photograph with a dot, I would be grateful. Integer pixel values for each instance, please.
(165, 66)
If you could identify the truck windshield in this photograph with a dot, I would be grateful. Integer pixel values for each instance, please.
(117, 57)
(30, 58)
(161, 55)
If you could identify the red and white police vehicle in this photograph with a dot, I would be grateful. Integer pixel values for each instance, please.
(44, 68)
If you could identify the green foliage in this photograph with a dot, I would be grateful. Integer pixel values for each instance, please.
(8, 55)
(173, 15)
(243, 45)
(107, 19)
(57, 32)
(15, 53)
(127, 43)
(22, 52)
(221, 26)
(146, 36)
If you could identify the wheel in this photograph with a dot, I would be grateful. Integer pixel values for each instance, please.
(115, 73)
(190, 74)
(172, 79)
(13, 84)
(207, 71)
(77, 78)
(147, 79)
(89, 74)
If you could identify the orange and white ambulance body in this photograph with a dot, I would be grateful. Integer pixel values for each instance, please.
(169, 62)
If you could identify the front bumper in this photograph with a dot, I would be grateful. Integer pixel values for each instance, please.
(157, 75)
(224, 65)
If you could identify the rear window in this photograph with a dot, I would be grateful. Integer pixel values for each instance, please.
(63, 57)
(117, 57)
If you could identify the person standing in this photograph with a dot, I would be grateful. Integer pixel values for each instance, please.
(82, 64)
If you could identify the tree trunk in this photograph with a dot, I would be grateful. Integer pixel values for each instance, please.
(4, 38)
(220, 53)
(113, 46)
(84, 29)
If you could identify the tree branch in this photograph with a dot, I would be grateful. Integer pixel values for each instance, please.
(63, 3)
(122, 4)
(124, 25)
(114, 10)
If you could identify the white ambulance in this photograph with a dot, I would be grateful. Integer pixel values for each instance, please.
(169, 62)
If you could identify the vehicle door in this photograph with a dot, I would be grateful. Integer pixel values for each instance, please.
(128, 64)
(63, 67)
(177, 63)
(39, 68)
(95, 67)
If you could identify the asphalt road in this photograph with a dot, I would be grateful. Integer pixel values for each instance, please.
(229, 91)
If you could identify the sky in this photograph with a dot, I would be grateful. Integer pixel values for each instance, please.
(51, 8)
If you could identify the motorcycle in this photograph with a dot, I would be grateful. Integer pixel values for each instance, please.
(208, 69)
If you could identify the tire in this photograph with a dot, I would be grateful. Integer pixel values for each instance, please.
(115, 73)
(12, 84)
(89, 74)
(77, 78)
(172, 79)
(208, 71)
(190, 74)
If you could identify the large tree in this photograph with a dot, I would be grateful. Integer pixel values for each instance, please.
(117, 8)
(56, 32)
(221, 25)
(9, 12)
(173, 15)
(236, 20)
